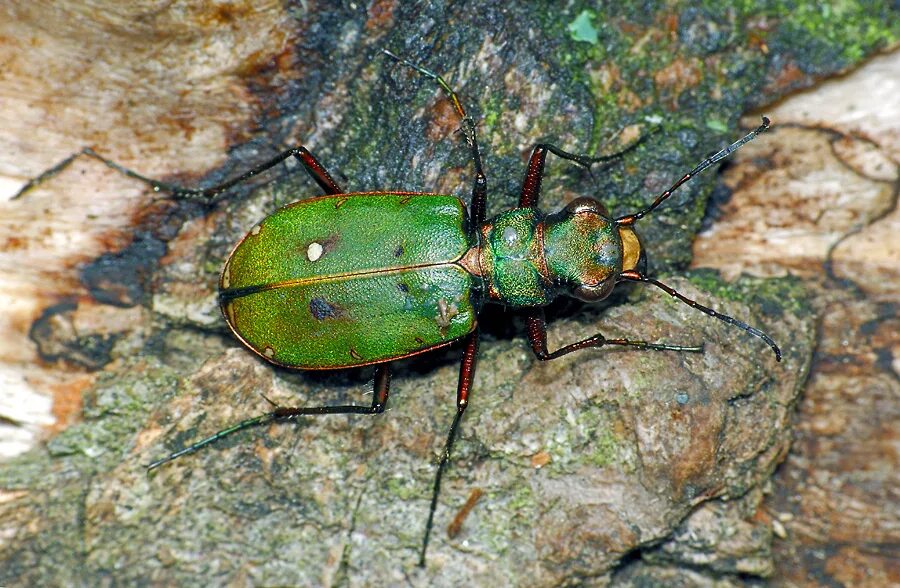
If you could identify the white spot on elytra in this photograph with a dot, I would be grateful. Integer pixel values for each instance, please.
(256, 230)
(226, 276)
(269, 352)
(314, 251)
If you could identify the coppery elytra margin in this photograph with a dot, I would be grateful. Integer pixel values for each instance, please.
(325, 283)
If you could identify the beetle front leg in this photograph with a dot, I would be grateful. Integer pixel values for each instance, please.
(537, 335)
(466, 376)
(381, 389)
(302, 154)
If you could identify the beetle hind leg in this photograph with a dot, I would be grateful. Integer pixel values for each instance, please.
(86, 152)
(381, 389)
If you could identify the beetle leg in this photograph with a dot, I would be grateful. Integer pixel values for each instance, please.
(635, 276)
(307, 159)
(466, 375)
(537, 335)
(381, 389)
(467, 125)
(479, 188)
(301, 154)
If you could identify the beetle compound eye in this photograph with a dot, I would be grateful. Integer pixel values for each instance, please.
(586, 204)
(593, 293)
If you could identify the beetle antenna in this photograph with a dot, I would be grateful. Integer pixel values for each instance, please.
(457, 105)
(637, 277)
(629, 219)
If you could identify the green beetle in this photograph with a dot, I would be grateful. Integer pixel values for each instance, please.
(321, 284)
(358, 295)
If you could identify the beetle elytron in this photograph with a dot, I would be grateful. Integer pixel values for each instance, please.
(319, 284)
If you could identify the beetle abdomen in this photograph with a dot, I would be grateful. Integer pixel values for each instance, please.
(352, 279)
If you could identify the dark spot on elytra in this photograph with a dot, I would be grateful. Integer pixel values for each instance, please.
(403, 287)
(420, 340)
(321, 309)
(354, 354)
(398, 251)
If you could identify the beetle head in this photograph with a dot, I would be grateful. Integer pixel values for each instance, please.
(586, 250)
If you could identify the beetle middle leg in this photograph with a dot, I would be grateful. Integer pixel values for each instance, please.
(315, 169)
(381, 389)
(537, 336)
(466, 376)
(531, 187)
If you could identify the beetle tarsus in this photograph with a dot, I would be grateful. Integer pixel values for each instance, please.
(207, 195)
(381, 390)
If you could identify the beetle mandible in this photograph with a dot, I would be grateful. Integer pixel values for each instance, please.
(298, 289)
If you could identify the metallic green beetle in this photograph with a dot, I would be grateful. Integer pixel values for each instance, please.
(320, 284)
(358, 295)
